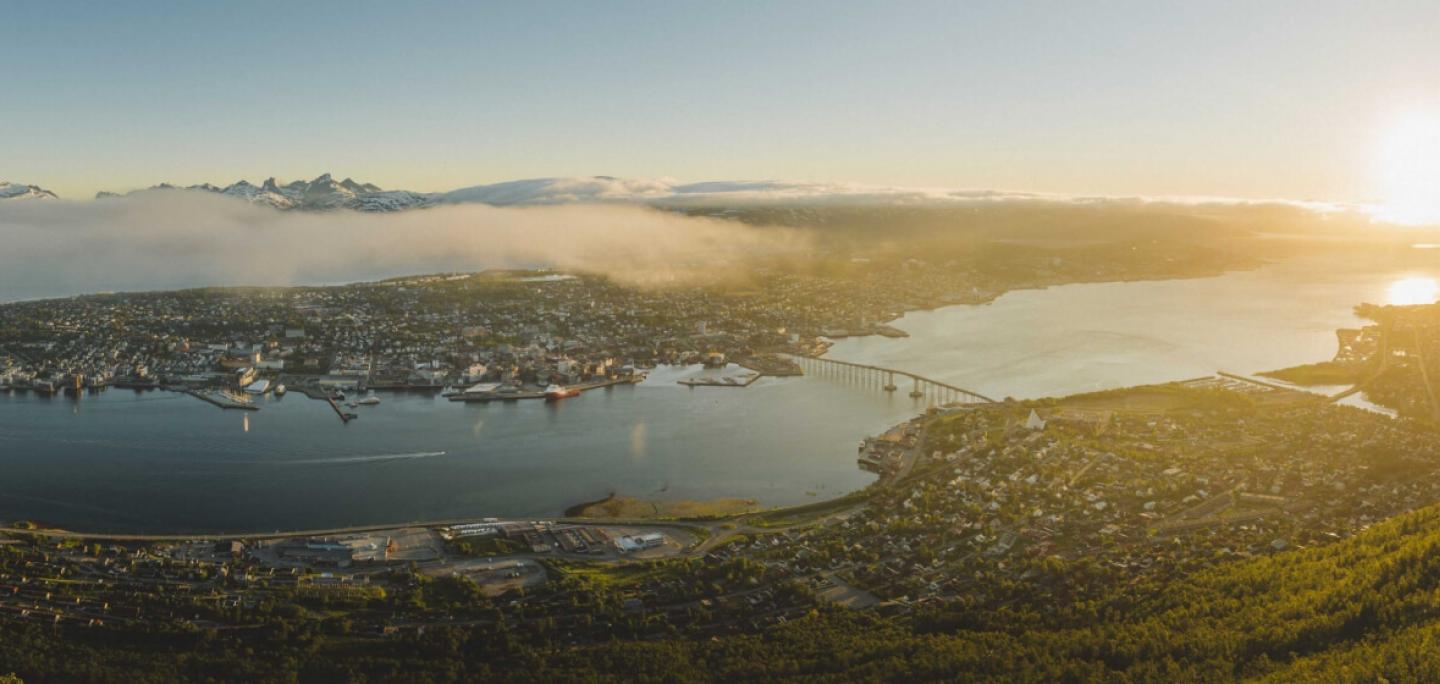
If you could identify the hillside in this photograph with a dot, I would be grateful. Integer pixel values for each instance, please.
(1359, 610)
(1364, 609)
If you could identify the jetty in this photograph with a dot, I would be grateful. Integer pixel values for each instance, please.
(344, 416)
(220, 400)
(721, 381)
(519, 394)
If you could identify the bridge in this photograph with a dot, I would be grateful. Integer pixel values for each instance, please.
(921, 387)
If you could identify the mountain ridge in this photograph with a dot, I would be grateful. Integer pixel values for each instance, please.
(15, 191)
(320, 194)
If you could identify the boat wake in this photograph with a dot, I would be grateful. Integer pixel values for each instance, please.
(363, 459)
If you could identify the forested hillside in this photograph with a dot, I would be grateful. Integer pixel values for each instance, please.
(1358, 610)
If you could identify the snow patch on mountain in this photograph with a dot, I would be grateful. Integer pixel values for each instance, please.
(321, 194)
(18, 191)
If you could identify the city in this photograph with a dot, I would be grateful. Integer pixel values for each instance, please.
(678, 342)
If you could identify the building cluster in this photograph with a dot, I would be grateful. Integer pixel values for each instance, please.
(459, 330)
(1012, 503)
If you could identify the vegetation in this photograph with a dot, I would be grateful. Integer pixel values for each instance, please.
(1323, 373)
(475, 547)
(1365, 609)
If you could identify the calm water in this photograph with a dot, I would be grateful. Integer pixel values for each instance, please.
(1080, 338)
(165, 461)
(162, 461)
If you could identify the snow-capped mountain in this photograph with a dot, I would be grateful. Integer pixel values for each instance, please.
(17, 191)
(321, 194)
(325, 193)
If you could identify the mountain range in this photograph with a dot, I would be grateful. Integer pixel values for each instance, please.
(320, 194)
(324, 193)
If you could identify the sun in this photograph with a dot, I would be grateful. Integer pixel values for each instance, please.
(1408, 171)
(1415, 290)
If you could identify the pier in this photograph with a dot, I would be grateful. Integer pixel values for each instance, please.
(221, 401)
(931, 391)
(485, 397)
(721, 381)
(344, 417)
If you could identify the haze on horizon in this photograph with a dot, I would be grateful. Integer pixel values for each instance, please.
(1304, 100)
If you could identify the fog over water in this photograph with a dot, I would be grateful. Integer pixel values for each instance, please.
(173, 239)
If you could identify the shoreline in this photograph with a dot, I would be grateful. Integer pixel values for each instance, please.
(570, 513)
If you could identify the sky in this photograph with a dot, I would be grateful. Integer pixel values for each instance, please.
(1245, 99)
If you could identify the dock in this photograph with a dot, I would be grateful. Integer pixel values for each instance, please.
(722, 381)
(221, 401)
(344, 417)
(486, 397)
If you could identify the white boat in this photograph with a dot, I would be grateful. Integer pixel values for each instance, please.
(279, 390)
(369, 401)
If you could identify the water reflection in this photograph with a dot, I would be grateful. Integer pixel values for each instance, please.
(1413, 290)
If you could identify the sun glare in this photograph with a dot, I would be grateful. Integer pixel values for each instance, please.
(1416, 290)
(1409, 171)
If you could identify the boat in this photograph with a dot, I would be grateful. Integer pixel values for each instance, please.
(555, 392)
(371, 400)
(279, 390)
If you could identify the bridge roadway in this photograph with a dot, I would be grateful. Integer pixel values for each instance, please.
(921, 386)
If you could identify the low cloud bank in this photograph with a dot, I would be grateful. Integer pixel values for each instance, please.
(165, 240)
(780, 193)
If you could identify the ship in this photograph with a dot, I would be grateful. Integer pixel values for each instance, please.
(369, 401)
(279, 390)
(555, 392)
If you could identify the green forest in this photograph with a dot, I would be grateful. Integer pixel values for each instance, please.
(1364, 609)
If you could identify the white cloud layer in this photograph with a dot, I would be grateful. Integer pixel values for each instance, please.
(665, 192)
(168, 240)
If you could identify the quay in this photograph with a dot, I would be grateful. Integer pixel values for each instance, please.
(721, 381)
(315, 393)
(403, 387)
(486, 397)
(772, 365)
(344, 417)
(222, 402)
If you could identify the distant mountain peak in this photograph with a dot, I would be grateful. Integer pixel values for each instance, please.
(17, 191)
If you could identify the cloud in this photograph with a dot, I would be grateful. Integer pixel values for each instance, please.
(745, 193)
(169, 240)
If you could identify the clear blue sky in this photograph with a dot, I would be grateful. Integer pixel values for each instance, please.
(1247, 98)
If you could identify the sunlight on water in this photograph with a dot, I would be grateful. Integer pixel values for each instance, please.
(1416, 290)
